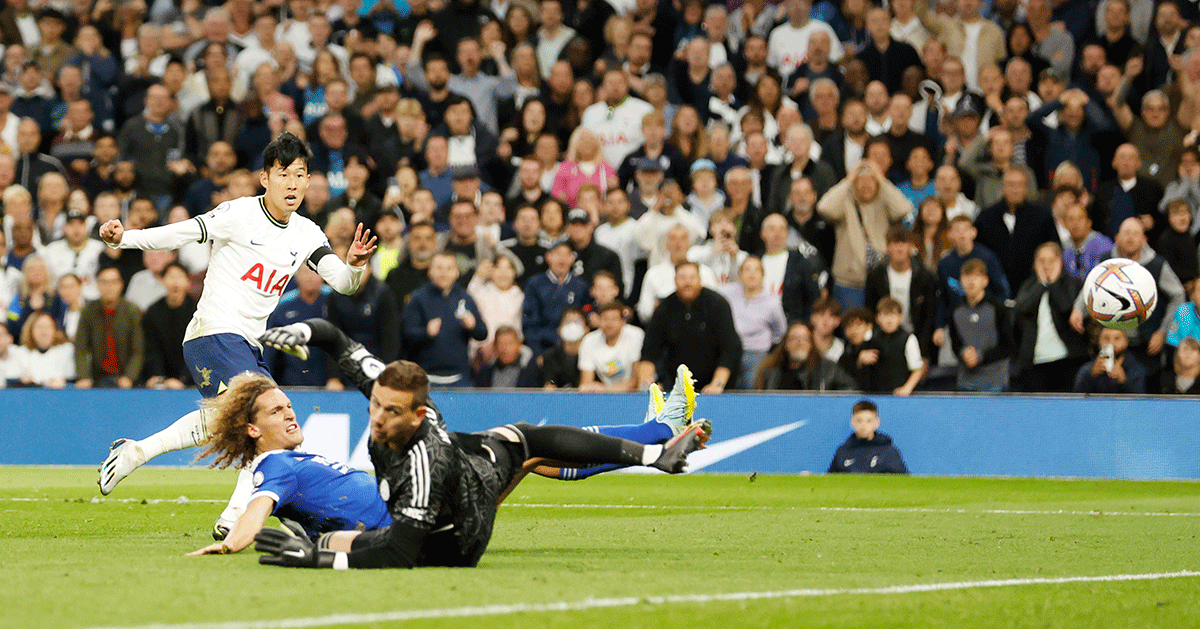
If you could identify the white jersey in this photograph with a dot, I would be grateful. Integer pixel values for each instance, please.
(787, 46)
(619, 128)
(253, 258)
(62, 260)
(613, 365)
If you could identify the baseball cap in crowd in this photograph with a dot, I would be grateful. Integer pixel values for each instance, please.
(969, 105)
(459, 173)
(1052, 74)
(579, 215)
(561, 242)
(703, 164)
(647, 164)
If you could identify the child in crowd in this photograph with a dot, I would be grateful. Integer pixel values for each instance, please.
(1176, 243)
(893, 352)
(867, 451)
(980, 333)
(856, 324)
(705, 197)
(826, 317)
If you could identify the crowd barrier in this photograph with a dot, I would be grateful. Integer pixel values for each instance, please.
(1134, 438)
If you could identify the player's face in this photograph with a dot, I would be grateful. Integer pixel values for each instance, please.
(865, 423)
(393, 418)
(274, 426)
(285, 185)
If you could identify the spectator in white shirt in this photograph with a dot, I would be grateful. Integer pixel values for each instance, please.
(607, 355)
(45, 357)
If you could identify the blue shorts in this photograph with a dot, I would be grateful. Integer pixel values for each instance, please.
(214, 360)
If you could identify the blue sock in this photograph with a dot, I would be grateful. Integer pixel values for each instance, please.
(580, 473)
(644, 433)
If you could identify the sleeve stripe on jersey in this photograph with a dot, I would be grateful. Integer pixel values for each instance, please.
(203, 231)
(419, 470)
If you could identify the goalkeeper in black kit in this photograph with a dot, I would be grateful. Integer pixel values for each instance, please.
(443, 488)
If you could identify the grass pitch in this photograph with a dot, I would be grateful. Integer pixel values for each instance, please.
(627, 551)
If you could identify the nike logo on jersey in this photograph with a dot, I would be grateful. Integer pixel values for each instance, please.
(267, 284)
(257, 244)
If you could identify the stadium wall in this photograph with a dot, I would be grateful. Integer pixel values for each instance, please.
(1135, 438)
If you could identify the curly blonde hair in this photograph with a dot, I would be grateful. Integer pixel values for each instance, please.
(229, 414)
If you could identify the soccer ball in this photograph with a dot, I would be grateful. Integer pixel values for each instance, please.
(1121, 293)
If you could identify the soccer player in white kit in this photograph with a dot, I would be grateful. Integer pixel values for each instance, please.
(258, 245)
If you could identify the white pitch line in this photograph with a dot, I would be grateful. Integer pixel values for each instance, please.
(584, 505)
(631, 601)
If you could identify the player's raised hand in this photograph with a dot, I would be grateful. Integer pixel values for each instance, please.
(112, 231)
(292, 339)
(361, 248)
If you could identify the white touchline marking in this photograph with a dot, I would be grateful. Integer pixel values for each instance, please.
(532, 505)
(631, 601)
(581, 505)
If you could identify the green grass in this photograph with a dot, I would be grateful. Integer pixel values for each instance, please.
(69, 559)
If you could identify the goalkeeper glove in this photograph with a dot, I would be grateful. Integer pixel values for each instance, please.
(292, 339)
(290, 547)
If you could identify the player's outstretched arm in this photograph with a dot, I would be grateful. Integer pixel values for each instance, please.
(242, 535)
(354, 361)
(172, 236)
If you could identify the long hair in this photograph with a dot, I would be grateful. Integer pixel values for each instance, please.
(697, 140)
(779, 359)
(228, 415)
(27, 331)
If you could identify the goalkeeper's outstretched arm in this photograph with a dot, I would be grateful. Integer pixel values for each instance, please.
(353, 360)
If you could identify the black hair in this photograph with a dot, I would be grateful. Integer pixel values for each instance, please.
(434, 56)
(865, 405)
(175, 264)
(284, 150)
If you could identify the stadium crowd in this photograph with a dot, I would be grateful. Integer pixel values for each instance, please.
(587, 193)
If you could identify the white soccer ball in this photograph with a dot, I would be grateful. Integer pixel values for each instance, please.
(1121, 293)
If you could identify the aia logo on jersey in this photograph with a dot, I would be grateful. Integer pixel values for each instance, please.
(268, 285)
(610, 139)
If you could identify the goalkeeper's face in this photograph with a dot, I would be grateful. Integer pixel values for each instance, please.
(393, 417)
(274, 426)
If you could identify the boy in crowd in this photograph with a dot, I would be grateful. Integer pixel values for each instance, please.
(980, 333)
(867, 451)
(894, 352)
(856, 323)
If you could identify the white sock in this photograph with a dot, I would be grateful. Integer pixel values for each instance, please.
(651, 453)
(239, 500)
(188, 431)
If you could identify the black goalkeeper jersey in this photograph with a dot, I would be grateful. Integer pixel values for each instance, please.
(448, 484)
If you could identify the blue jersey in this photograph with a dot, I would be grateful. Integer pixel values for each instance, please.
(320, 494)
